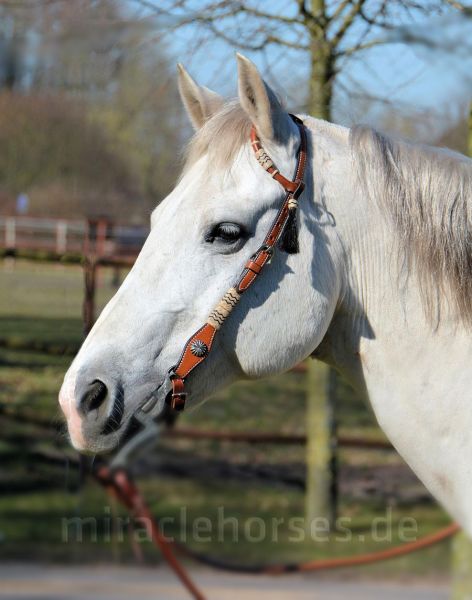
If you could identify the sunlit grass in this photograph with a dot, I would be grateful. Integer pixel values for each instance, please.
(40, 308)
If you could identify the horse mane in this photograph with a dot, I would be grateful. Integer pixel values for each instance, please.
(427, 194)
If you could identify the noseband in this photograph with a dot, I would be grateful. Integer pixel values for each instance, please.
(199, 345)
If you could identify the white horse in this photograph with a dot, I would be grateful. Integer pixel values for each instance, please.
(381, 287)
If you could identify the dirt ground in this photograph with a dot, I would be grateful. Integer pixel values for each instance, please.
(35, 582)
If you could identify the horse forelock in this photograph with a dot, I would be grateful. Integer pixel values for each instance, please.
(427, 193)
(221, 137)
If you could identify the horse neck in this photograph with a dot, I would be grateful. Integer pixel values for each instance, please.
(416, 373)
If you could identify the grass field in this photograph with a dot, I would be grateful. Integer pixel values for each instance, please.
(40, 329)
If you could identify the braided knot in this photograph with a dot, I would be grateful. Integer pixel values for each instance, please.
(264, 159)
(223, 308)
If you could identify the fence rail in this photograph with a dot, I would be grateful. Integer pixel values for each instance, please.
(99, 237)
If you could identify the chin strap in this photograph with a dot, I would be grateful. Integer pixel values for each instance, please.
(198, 347)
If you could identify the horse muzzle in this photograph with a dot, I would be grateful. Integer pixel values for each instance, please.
(94, 410)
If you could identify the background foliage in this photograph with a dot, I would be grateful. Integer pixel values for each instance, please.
(88, 110)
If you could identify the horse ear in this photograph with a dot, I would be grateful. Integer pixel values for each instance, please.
(200, 102)
(259, 101)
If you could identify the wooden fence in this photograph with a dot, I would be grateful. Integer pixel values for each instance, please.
(99, 237)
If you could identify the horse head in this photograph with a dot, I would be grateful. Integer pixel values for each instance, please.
(201, 237)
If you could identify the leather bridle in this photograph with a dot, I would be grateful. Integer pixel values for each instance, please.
(199, 345)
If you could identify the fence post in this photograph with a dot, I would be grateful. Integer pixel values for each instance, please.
(102, 230)
(88, 307)
(321, 484)
(61, 237)
(10, 233)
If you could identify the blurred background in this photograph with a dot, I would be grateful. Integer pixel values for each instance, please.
(91, 139)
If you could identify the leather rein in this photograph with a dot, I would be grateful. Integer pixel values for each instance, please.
(199, 345)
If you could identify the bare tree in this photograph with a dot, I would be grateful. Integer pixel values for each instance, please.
(92, 52)
(325, 33)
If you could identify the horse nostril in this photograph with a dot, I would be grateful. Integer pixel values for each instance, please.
(93, 397)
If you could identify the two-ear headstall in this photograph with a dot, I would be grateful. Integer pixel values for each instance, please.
(283, 229)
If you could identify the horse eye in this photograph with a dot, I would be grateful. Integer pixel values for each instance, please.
(225, 232)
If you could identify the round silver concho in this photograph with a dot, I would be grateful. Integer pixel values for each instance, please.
(199, 348)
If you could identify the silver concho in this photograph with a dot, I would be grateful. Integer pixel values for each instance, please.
(199, 348)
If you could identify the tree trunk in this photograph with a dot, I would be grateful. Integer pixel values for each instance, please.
(321, 67)
(321, 84)
(321, 480)
(461, 568)
(321, 484)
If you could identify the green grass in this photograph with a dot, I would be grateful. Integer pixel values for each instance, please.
(38, 525)
(40, 308)
(33, 290)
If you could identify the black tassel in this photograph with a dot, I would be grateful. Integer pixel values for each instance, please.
(289, 239)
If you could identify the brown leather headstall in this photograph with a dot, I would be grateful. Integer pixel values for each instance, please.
(198, 347)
